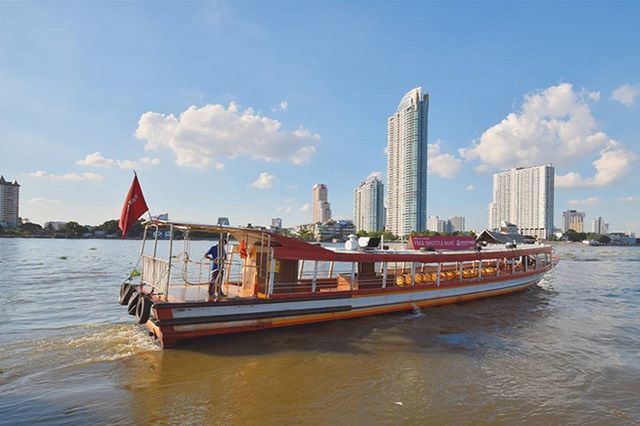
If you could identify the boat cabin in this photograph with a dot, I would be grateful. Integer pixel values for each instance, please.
(258, 264)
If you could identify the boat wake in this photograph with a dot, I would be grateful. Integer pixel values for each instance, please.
(417, 312)
(75, 346)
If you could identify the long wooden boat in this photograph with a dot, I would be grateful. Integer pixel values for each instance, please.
(270, 280)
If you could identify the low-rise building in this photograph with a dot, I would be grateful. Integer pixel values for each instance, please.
(622, 239)
(333, 229)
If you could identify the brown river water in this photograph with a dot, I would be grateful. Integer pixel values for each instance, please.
(564, 352)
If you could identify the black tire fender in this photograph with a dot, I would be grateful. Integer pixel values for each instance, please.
(126, 291)
(133, 303)
(143, 309)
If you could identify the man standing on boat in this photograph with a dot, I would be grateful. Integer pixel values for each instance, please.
(217, 256)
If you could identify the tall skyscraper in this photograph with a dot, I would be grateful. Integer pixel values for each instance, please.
(572, 219)
(9, 203)
(276, 223)
(599, 227)
(407, 164)
(321, 206)
(524, 197)
(368, 205)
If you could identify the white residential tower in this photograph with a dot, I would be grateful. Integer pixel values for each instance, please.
(524, 197)
(407, 164)
(9, 203)
(368, 205)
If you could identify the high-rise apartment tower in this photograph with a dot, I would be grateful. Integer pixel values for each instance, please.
(407, 164)
(573, 219)
(9, 203)
(368, 205)
(321, 206)
(599, 227)
(456, 224)
(524, 197)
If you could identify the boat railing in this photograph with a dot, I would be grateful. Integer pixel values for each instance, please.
(318, 276)
(155, 273)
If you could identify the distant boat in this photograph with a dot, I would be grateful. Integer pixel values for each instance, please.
(270, 280)
(591, 242)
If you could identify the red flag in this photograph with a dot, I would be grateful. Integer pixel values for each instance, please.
(134, 207)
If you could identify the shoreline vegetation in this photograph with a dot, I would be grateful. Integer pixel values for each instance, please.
(110, 230)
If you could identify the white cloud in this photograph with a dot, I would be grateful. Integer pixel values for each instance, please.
(218, 165)
(264, 181)
(149, 161)
(591, 201)
(629, 199)
(626, 94)
(613, 165)
(556, 126)
(470, 188)
(594, 96)
(200, 136)
(42, 200)
(66, 176)
(289, 200)
(97, 160)
(282, 106)
(305, 207)
(375, 174)
(283, 209)
(442, 164)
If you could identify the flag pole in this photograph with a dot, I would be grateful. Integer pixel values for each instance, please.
(148, 209)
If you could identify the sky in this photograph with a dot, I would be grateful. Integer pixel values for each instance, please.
(237, 108)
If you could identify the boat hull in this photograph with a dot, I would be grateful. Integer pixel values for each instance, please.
(176, 322)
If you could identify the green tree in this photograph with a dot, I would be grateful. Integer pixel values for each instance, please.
(136, 230)
(306, 235)
(110, 227)
(49, 228)
(574, 236)
(74, 229)
(31, 228)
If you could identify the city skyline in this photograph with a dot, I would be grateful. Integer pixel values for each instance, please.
(203, 139)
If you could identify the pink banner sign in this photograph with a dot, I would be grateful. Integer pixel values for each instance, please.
(442, 243)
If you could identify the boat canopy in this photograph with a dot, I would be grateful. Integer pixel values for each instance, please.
(294, 249)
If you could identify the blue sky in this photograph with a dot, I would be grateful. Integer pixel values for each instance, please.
(269, 98)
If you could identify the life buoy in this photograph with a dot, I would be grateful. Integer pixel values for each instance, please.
(126, 290)
(133, 303)
(143, 309)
